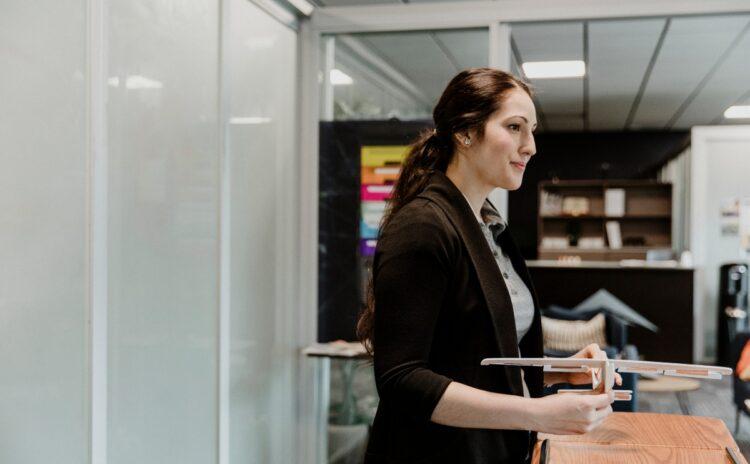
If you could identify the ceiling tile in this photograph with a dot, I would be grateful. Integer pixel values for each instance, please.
(619, 53)
(689, 52)
(729, 83)
(417, 56)
(469, 48)
(354, 2)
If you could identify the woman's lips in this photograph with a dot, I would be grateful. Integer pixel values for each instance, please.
(518, 165)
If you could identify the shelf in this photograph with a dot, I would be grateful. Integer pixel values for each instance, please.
(647, 216)
(601, 216)
(574, 250)
(597, 183)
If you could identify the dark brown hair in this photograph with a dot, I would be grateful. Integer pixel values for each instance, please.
(468, 101)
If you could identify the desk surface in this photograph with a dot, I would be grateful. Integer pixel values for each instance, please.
(644, 438)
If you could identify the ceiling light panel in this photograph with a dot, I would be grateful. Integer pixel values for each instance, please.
(554, 69)
(737, 112)
(339, 77)
(561, 100)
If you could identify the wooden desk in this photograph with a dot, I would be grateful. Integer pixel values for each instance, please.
(643, 438)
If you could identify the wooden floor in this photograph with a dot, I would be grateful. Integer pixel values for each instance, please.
(713, 399)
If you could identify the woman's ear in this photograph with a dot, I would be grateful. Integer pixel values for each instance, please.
(464, 139)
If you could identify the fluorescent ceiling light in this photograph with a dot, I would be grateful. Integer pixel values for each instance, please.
(140, 82)
(340, 78)
(554, 69)
(738, 112)
(303, 6)
(249, 120)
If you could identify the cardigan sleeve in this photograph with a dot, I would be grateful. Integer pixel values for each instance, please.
(410, 276)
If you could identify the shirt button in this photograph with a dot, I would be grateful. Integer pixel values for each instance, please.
(495, 253)
(513, 292)
(505, 274)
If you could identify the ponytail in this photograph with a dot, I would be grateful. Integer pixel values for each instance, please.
(428, 154)
(468, 101)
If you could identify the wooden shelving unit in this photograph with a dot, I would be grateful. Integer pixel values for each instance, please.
(645, 225)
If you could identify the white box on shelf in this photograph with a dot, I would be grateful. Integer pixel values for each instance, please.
(591, 243)
(614, 202)
(554, 243)
(614, 237)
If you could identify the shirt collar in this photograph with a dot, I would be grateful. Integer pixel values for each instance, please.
(492, 218)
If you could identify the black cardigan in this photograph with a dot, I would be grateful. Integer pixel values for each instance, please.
(441, 306)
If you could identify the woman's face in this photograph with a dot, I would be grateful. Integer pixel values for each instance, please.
(500, 158)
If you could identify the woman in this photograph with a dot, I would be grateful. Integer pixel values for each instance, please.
(450, 288)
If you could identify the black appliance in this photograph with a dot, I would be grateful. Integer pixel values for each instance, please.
(733, 307)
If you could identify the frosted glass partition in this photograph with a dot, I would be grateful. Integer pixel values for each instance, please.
(43, 281)
(262, 73)
(163, 226)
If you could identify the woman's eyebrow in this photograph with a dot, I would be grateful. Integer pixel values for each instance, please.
(519, 116)
(522, 117)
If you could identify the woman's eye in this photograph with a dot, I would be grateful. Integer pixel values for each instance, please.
(514, 127)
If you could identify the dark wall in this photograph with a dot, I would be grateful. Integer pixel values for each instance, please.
(565, 156)
(339, 266)
(592, 155)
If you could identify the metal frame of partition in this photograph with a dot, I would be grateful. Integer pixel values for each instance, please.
(497, 16)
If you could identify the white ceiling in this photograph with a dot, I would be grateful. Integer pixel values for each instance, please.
(655, 73)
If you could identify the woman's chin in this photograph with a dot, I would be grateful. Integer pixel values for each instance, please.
(513, 183)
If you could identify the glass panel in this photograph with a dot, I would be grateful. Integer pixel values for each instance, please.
(398, 74)
(43, 233)
(262, 70)
(374, 78)
(164, 186)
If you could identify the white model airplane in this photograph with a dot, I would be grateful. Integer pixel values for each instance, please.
(606, 380)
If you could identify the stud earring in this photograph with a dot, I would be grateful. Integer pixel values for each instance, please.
(467, 141)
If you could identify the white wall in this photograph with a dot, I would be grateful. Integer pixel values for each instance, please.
(677, 172)
(194, 117)
(720, 168)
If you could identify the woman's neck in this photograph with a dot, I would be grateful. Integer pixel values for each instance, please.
(472, 189)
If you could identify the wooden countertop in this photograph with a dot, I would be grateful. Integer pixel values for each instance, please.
(644, 438)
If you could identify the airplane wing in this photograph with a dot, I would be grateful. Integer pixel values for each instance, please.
(549, 364)
(602, 382)
(621, 365)
(671, 369)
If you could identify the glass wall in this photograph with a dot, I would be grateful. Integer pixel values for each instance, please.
(262, 177)
(43, 247)
(163, 223)
(200, 147)
(396, 74)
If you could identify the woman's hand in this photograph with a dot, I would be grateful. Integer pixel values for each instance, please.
(592, 351)
(570, 413)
